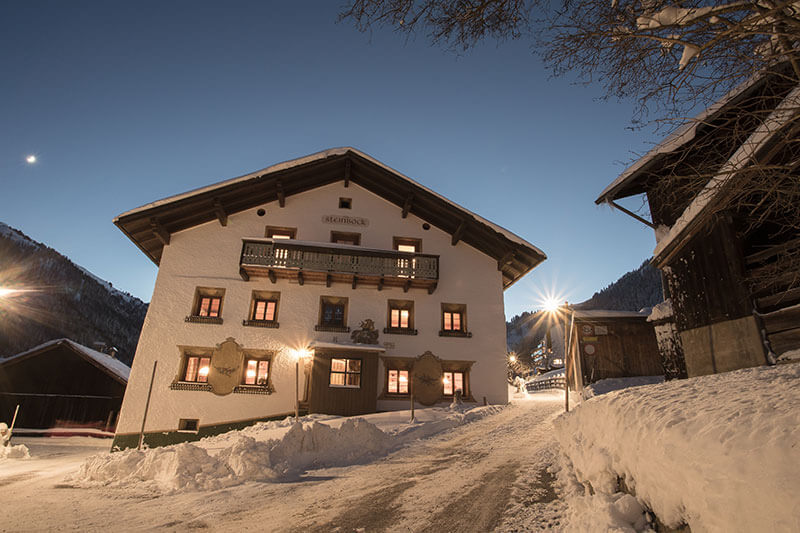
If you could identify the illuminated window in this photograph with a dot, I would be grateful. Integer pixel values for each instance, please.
(197, 368)
(400, 317)
(397, 382)
(264, 309)
(406, 266)
(256, 372)
(454, 321)
(345, 373)
(453, 381)
(207, 307)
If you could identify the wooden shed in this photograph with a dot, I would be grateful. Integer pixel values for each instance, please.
(610, 344)
(62, 384)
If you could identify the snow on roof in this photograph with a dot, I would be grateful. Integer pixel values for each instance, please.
(682, 135)
(105, 361)
(607, 313)
(347, 346)
(316, 157)
(783, 113)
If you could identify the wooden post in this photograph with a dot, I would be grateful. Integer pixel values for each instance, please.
(296, 389)
(567, 354)
(11, 429)
(411, 389)
(147, 405)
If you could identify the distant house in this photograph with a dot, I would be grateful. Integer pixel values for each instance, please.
(62, 384)
(610, 344)
(734, 305)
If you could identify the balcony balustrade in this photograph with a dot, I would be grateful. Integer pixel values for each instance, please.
(336, 263)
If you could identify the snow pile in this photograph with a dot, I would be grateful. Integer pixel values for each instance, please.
(661, 311)
(719, 453)
(241, 456)
(19, 451)
(605, 386)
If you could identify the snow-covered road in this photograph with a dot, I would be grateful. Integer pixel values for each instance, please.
(487, 475)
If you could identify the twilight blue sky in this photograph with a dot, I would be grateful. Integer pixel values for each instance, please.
(126, 103)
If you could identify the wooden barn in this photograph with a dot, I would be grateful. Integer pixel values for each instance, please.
(723, 201)
(62, 384)
(610, 344)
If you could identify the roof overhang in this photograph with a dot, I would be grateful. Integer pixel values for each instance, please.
(633, 180)
(151, 225)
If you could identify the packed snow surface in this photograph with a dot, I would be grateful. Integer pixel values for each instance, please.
(719, 453)
(266, 452)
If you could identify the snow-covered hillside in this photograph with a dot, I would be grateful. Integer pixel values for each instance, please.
(60, 299)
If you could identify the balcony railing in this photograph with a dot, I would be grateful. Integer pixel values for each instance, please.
(337, 263)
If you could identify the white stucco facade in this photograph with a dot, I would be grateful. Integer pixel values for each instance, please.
(208, 255)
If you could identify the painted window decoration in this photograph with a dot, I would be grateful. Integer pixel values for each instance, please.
(256, 372)
(264, 310)
(397, 382)
(453, 381)
(345, 373)
(197, 368)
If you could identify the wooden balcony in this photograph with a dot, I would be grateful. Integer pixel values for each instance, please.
(337, 263)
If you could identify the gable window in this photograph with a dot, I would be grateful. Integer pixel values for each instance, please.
(345, 373)
(332, 314)
(345, 203)
(256, 372)
(263, 309)
(341, 237)
(453, 381)
(454, 321)
(400, 317)
(197, 368)
(207, 308)
(397, 382)
(275, 232)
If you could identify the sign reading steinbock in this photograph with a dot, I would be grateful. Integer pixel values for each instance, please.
(345, 219)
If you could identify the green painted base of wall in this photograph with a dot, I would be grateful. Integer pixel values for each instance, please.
(165, 438)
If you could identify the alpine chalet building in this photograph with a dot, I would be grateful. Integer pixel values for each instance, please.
(329, 284)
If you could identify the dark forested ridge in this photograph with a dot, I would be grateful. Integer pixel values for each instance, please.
(633, 291)
(60, 299)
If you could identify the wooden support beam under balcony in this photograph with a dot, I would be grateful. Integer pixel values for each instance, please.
(243, 273)
(329, 263)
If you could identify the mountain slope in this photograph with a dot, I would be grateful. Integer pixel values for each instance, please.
(60, 299)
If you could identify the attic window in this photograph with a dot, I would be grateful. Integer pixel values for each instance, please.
(345, 203)
(188, 424)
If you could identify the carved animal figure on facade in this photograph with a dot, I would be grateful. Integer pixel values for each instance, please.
(366, 334)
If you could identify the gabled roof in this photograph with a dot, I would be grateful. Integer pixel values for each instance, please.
(150, 225)
(698, 209)
(631, 181)
(113, 367)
